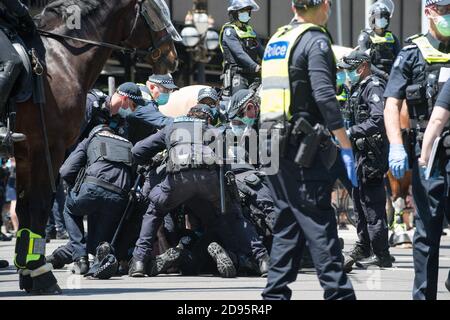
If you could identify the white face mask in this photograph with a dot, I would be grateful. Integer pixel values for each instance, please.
(381, 23)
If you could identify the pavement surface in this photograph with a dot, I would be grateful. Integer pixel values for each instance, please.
(374, 284)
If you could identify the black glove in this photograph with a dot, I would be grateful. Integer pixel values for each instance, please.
(26, 25)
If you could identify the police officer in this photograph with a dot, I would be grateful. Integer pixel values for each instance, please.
(299, 91)
(146, 119)
(191, 172)
(438, 120)
(242, 52)
(14, 16)
(415, 78)
(382, 45)
(98, 173)
(210, 97)
(370, 143)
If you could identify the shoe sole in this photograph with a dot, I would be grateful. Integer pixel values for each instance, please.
(166, 260)
(137, 275)
(224, 264)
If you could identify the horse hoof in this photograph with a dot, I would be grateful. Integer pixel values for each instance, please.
(52, 290)
(25, 283)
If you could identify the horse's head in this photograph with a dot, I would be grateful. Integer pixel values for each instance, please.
(151, 29)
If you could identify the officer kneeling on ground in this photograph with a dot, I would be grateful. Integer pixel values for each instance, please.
(99, 175)
(191, 173)
(242, 52)
(368, 136)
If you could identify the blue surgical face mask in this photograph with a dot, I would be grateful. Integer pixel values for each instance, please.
(123, 113)
(163, 99)
(354, 76)
(244, 17)
(443, 25)
(341, 77)
(381, 23)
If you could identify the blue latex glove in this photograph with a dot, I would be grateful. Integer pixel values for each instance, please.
(349, 161)
(398, 160)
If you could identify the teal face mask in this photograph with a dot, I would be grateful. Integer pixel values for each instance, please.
(249, 122)
(123, 113)
(354, 76)
(443, 25)
(341, 77)
(163, 99)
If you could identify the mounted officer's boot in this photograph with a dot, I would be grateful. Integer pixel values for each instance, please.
(359, 252)
(383, 260)
(8, 75)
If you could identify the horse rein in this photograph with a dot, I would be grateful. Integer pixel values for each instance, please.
(151, 50)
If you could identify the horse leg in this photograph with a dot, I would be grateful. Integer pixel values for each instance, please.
(33, 208)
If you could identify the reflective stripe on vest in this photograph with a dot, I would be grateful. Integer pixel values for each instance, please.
(276, 89)
(248, 33)
(388, 38)
(429, 53)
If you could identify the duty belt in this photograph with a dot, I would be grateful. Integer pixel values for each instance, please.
(192, 167)
(106, 185)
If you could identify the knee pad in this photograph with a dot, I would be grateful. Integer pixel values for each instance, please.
(30, 247)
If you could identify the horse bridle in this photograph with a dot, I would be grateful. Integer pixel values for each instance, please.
(156, 44)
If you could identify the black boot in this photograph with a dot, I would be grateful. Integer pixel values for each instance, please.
(62, 235)
(81, 266)
(167, 260)
(379, 260)
(136, 269)
(359, 252)
(59, 258)
(4, 264)
(224, 263)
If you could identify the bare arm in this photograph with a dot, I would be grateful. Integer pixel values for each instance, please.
(343, 139)
(438, 119)
(392, 120)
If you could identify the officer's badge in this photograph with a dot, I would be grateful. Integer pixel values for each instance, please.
(375, 98)
(398, 61)
(228, 32)
(323, 45)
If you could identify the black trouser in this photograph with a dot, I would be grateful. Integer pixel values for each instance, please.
(369, 201)
(10, 68)
(104, 210)
(175, 190)
(305, 214)
(431, 198)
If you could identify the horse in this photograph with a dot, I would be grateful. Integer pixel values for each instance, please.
(181, 101)
(71, 68)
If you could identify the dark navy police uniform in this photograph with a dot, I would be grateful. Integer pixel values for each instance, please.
(414, 77)
(101, 193)
(303, 195)
(367, 105)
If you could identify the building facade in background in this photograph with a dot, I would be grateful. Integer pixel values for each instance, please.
(348, 19)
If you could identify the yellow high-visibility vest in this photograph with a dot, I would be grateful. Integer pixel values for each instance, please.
(248, 33)
(276, 82)
(429, 53)
(388, 38)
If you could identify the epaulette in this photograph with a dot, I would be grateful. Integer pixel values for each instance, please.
(109, 134)
(410, 39)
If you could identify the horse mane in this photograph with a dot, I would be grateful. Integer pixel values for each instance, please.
(86, 6)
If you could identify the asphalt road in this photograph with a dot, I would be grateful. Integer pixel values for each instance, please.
(387, 284)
